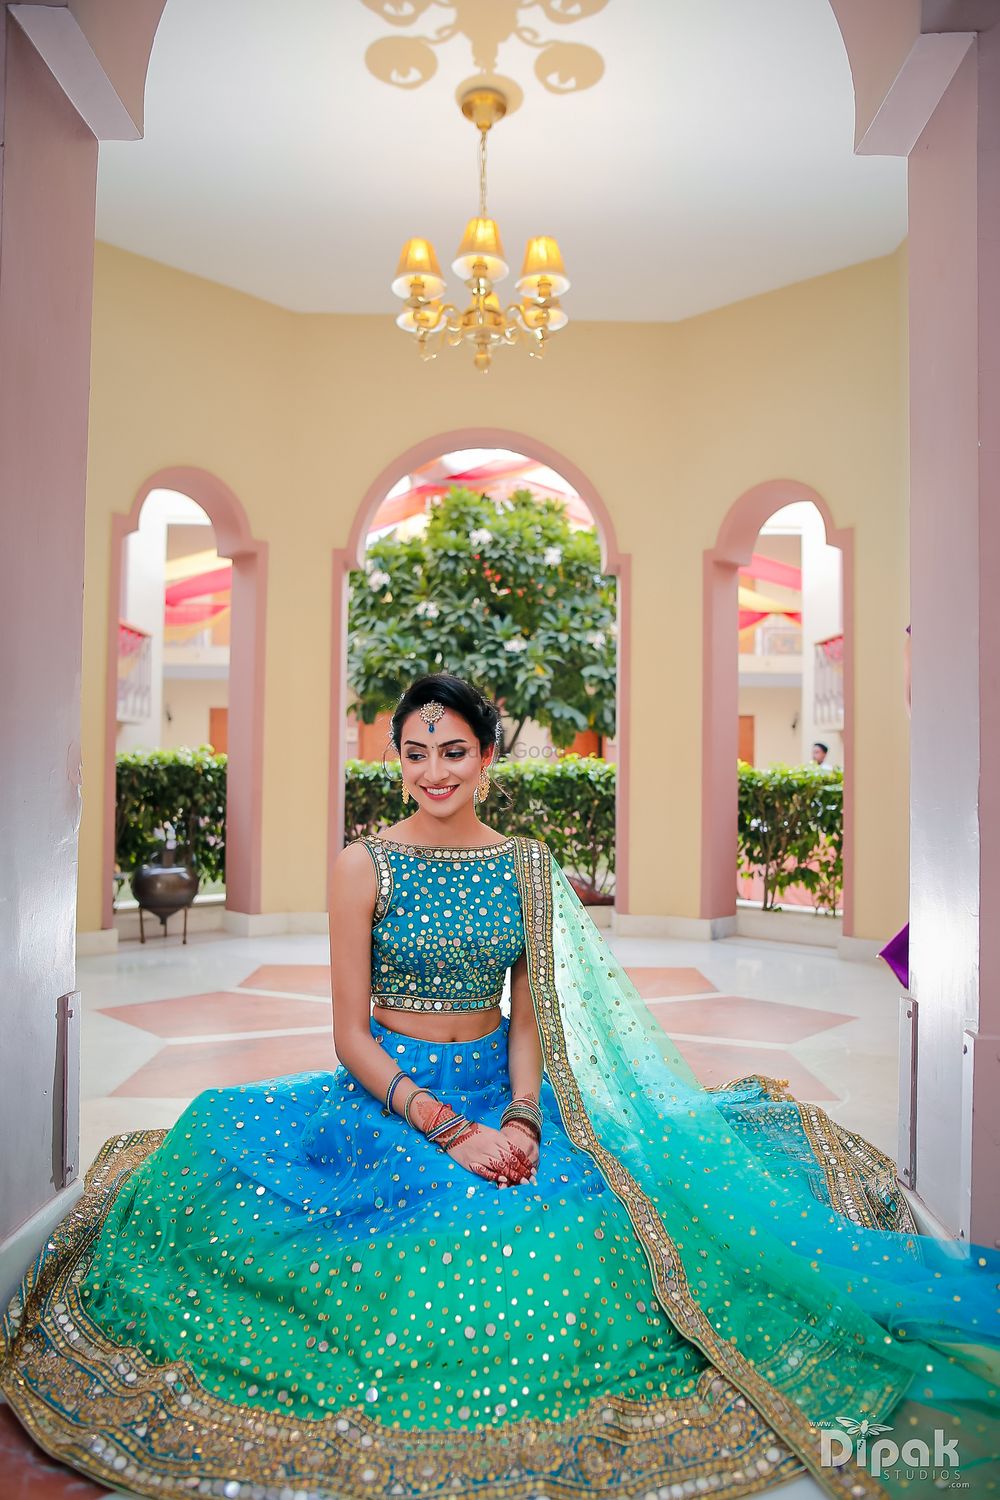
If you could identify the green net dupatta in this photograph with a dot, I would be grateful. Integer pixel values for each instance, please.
(777, 1242)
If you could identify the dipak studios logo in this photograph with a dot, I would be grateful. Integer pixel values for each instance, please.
(912, 1459)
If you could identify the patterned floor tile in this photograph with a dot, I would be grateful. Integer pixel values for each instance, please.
(29, 1474)
(219, 1011)
(293, 979)
(659, 984)
(720, 1062)
(182, 1071)
(734, 1016)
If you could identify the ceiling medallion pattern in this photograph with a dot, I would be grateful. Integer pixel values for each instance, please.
(484, 324)
(562, 67)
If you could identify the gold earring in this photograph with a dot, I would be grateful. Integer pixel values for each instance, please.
(484, 785)
(406, 792)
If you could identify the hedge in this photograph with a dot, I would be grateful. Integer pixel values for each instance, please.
(185, 788)
(790, 817)
(568, 801)
(791, 831)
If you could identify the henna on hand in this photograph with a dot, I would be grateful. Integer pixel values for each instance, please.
(470, 1129)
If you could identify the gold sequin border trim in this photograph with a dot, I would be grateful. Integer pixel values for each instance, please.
(534, 874)
(440, 1005)
(383, 877)
(107, 1411)
(434, 851)
(856, 1172)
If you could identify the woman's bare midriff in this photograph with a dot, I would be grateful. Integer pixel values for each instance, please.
(452, 1026)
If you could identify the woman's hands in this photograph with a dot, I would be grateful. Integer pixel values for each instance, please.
(496, 1155)
(522, 1136)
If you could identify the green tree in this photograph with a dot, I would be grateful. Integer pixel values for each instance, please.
(506, 593)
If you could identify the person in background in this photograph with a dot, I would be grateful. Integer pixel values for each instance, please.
(820, 752)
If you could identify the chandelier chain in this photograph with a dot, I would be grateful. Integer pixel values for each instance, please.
(482, 175)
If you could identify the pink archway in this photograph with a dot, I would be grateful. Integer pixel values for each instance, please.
(614, 561)
(720, 688)
(246, 679)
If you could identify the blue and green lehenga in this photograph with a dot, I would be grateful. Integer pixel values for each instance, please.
(291, 1295)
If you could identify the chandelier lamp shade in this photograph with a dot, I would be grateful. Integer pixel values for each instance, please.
(481, 263)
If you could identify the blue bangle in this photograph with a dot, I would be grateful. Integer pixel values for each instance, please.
(446, 1126)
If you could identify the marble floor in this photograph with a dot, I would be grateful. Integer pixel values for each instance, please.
(162, 1021)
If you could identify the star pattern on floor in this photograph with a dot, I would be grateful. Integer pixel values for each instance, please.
(277, 1021)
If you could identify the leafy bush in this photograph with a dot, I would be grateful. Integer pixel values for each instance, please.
(506, 593)
(185, 788)
(569, 802)
(790, 817)
(791, 831)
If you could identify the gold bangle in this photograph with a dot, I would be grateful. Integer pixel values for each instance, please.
(409, 1100)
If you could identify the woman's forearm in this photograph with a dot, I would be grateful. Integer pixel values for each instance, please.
(524, 1057)
(366, 1061)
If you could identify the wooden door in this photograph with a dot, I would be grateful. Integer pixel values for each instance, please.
(218, 730)
(746, 739)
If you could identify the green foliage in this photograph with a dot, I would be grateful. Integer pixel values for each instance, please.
(790, 817)
(507, 595)
(569, 802)
(791, 830)
(186, 788)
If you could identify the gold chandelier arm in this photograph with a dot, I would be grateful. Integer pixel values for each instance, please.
(429, 342)
(429, 316)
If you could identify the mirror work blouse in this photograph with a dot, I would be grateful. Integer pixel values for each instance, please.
(447, 925)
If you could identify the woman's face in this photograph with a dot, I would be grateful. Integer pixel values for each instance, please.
(441, 770)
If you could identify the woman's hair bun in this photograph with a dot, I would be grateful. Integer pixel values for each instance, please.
(482, 716)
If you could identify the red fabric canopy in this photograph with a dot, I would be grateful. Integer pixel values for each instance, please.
(191, 614)
(750, 617)
(767, 570)
(218, 581)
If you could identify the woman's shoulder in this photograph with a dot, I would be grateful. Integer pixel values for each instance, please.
(355, 854)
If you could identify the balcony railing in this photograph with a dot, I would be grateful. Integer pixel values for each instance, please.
(135, 693)
(828, 683)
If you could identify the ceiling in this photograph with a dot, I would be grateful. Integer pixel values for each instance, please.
(712, 161)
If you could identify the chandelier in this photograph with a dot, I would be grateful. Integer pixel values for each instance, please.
(484, 323)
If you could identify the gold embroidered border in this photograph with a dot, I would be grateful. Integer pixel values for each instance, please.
(439, 1004)
(107, 1411)
(443, 851)
(534, 874)
(383, 875)
(856, 1171)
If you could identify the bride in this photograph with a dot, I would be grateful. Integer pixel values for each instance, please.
(498, 1251)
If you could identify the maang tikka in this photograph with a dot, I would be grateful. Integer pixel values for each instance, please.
(430, 713)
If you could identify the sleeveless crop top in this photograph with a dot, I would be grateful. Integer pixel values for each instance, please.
(447, 925)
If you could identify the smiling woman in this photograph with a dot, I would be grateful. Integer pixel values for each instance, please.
(496, 1254)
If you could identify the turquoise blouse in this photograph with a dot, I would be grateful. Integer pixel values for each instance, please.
(447, 925)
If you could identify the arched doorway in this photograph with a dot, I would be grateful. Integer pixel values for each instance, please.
(732, 552)
(352, 556)
(233, 540)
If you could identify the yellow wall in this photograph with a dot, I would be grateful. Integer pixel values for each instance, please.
(671, 423)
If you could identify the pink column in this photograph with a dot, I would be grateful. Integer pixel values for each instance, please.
(54, 94)
(720, 692)
(954, 188)
(46, 265)
(927, 81)
(244, 790)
